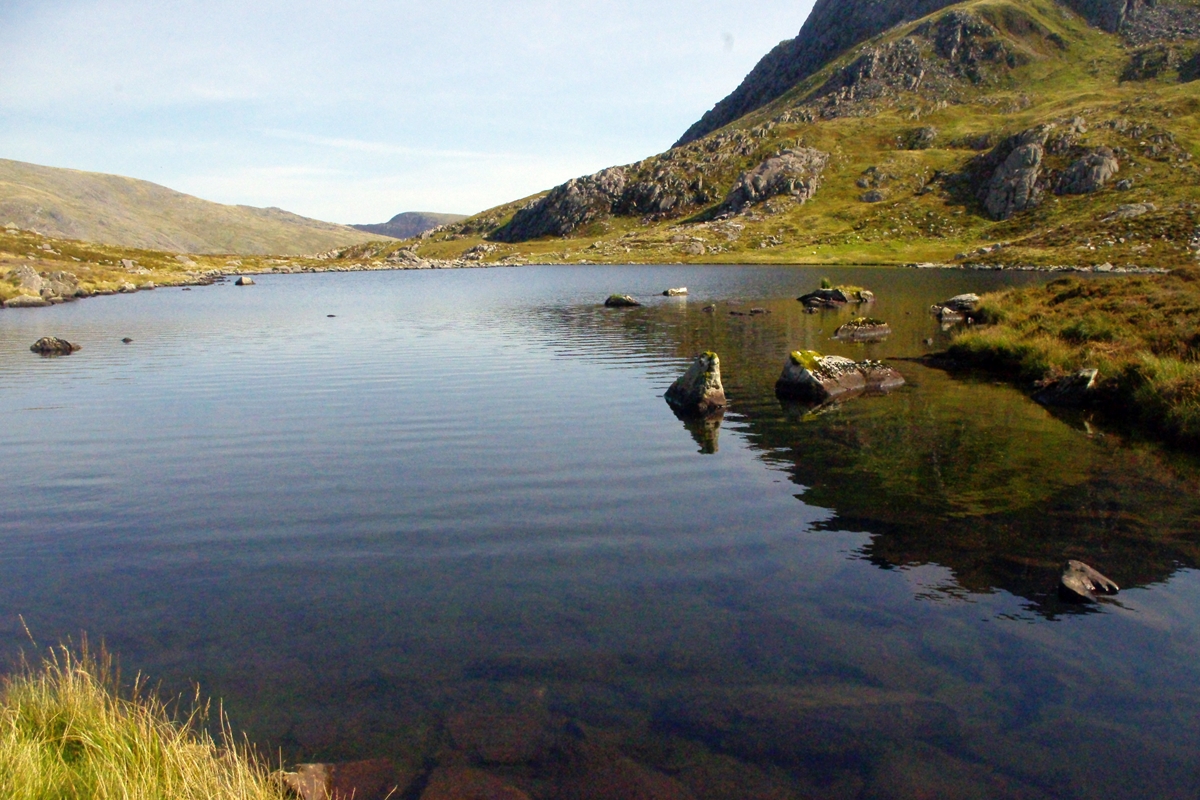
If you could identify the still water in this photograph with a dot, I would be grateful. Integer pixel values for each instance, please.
(463, 494)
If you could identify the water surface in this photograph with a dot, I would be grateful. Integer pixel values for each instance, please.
(464, 491)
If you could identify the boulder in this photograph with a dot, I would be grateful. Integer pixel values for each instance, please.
(679, 292)
(620, 301)
(1080, 583)
(862, 329)
(26, 277)
(376, 779)
(1071, 391)
(1089, 173)
(26, 301)
(793, 172)
(244, 280)
(698, 391)
(1011, 171)
(825, 298)
(1128, 211)
(961, 303)
(873, 196)
(811, 377)
(53, 346)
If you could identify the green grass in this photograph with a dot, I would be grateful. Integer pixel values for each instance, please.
(67, 732)
(1143, 334)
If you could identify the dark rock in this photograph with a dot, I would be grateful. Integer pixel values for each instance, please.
(698, 391)
(1089, 173)
(796, 173)
(127, 340)
(620, 301)
(1124, 185)
(678, 292)
(1080, 582)
(811, 377)
(495, 738)
(1071, 391)
(376, 779)
(465, 783)
(53, 346)
(709, 309)
(863, 329)
(244, 280)
(836, 297)
(873, 196)
(575, 203)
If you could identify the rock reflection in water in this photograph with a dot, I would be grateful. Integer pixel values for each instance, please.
(704, 429)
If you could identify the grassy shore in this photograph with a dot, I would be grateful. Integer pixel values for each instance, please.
(67, 732)
(1141, 333)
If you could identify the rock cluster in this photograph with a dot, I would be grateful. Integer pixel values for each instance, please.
(796, 173)
(811, 377)
(52, 287)
(699, 390)
(1089, 173)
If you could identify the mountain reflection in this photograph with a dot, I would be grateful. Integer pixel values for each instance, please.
(960, 472)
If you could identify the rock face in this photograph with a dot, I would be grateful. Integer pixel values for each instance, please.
(796, 173)
(698, 391)
(1013, 168)
(53, 346)
(620, 301)
(811, 377)
(569, 206)
(1080, 582)
(1072, 391)
(1089, 173)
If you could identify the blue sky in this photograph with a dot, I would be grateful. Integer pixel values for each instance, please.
(357, 110)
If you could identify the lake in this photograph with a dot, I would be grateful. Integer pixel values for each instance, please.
(461, 498)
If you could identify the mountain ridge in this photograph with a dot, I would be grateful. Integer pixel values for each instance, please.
(408, 224)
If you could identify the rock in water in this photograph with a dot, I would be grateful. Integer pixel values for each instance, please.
(679, 292)
(698, 391)
(1081, 583)
(1070, 391)
(53, 346)
(26, 301)
(377, 779)
(811, 377)
(620, 301)
(244, 280)
(863, 329)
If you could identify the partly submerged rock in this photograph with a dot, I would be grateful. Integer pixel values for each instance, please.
(1080, 582)
(26, 301)
(836, 297)
(244, 280)
(620, 301)
(863, 329)
(678, 292)
(53, 346)
(1071, 391)
(811, 377)
(377, 779)
(698, 391)
(956, 309)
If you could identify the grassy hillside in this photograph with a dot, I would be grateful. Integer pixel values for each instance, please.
(110, 209)
(906, 116)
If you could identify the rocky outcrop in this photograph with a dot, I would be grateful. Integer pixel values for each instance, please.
(53, 346)
(577, 202)
(796, 173)
(1089, 173)
(620, 301)
(699, 390)
(1011, 171)
(1081, 583)
(1128, 211)
(811, 377)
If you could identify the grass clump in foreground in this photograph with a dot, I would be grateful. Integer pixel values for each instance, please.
(1142, 334)
(68, 733)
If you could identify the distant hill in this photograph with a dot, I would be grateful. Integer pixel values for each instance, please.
(410, 223)
(111, 209)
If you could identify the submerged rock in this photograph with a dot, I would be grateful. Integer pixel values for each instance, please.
(811, 377)
(698, 391)
(244, 280)
(1070, 391)
(1080, 582)
(376, 779)
(863, 329)
(620, 301)
(53, 346)
(679, 292)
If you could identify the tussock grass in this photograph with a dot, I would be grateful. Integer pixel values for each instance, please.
(68, 733)
(1143, 334)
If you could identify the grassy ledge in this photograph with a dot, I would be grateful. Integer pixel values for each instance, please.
(1142, 333)
(66, 731)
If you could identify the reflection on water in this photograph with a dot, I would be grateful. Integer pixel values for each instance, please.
(462, 499)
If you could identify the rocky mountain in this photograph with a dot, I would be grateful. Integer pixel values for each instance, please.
(410, 224)
(110, 209)
(836, 25)
(989, 131)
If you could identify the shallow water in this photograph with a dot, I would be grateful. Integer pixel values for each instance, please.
(464, 492)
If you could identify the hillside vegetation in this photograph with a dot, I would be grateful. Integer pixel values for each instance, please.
(110, 209)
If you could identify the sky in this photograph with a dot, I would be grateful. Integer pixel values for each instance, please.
(354, 111)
